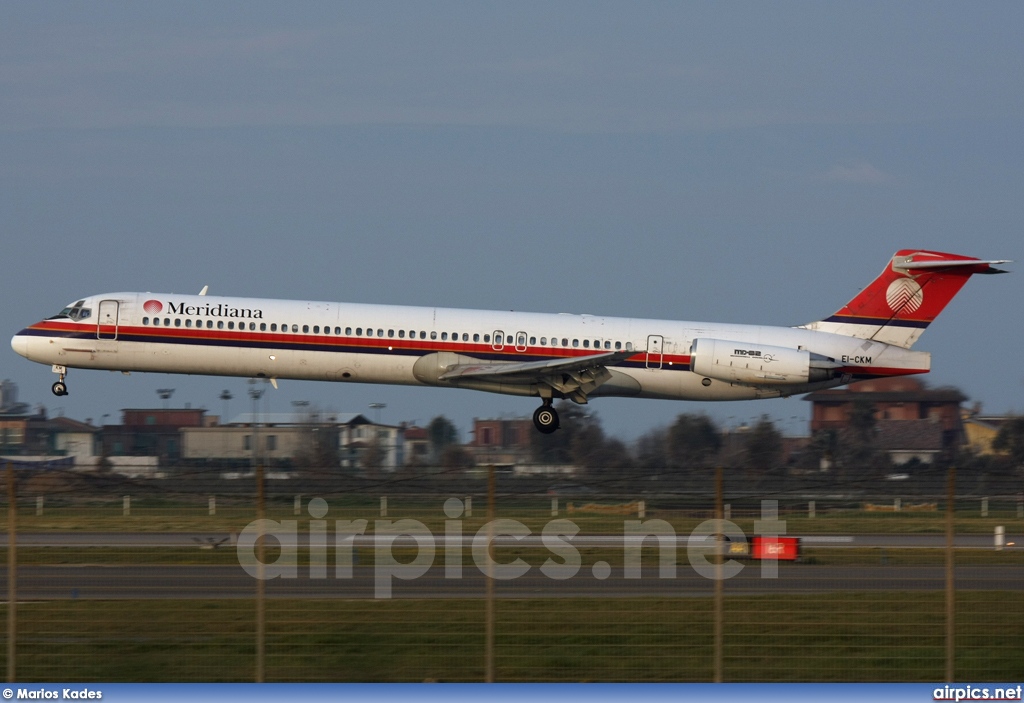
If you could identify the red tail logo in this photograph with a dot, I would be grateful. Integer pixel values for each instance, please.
(912, 290)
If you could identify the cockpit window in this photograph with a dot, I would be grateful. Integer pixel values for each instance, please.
(74, 311)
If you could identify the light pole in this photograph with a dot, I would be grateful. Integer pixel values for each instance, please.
(378, 407)
(225, 395)
(165, 394)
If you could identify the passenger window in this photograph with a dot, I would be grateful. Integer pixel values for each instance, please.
(231, 325)
(273, 327)
(177, 322)
(220, 324)
(209, 324)
(629, 346)
(145, 320)
(586, 344)
(607, 345)
(337, 330)
(565, 341)
(391, 333)
(263, 327)
(401, 334)
(252, 326)
(444, 336)
(167, 322)
(543, 341)
(487, 339)
(188, 323)
(295, 328)
(476, 337)
(359, 331)
(533, 341)
(423, 334)
(305, 329)
(465, 336)
(433, 335)
(316, 329)
(380, 333)
(575, 342)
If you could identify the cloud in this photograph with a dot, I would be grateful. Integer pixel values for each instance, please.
(859, 172)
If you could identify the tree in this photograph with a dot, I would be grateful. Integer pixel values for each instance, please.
(1010, 439)
(762, 450)
(651, 449)
(442, 433)
(692, 441)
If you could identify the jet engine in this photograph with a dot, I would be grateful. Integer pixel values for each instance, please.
(758, 364)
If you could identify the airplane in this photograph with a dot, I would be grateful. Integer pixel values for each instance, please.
(565, 356)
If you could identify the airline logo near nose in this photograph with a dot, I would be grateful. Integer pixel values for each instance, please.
(153, 307)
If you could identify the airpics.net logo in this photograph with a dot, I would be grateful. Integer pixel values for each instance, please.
(904, 295)
(153, 307)
(710, 538)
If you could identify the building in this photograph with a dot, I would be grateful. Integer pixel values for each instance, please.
(912, 421)
(296, 439)
(150, 432)
(501, 441)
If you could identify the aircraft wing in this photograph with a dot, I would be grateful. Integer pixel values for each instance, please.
(533, 371)
(572, 378)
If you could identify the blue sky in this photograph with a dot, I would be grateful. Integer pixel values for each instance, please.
(742, 162)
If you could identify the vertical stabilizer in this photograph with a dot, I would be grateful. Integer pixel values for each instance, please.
(911, 291)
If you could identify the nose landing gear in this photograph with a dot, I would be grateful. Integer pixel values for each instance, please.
(60, 388)
(545, 419)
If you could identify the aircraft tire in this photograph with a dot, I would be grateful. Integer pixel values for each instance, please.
(545, 419)
(59, 389)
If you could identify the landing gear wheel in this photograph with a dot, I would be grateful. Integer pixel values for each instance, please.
(545, 419)
(59, 388)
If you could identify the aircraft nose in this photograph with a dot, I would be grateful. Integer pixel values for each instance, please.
(19, 343)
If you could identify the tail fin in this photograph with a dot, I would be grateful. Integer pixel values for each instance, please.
(910, 292)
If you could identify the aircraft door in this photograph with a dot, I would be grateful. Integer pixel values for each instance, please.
(655, 344)
(498, 340)
(520, 341)
(106, 320)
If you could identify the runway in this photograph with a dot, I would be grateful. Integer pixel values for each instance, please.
(232, 582)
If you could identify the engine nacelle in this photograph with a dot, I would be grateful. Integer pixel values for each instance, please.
(758, 364)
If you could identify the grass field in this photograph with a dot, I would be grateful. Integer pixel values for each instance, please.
(845, 636)
(153, 516)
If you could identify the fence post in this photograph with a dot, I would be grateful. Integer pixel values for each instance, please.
(12, 574)
(126, 506)
(39, 506)
(554, 507)
(298, 505)
(719, 603)
(469, 506)
(383, 506)
(950, 583)
(489, 580)
(811, 509)
(213, 505)
(261, 584)
(1000, 538)
(984, 507)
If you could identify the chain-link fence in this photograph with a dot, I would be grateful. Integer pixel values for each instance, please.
(428, 575)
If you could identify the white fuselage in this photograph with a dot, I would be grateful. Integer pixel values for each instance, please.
(387, 344)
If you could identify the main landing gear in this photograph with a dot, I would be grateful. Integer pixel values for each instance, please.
(545, 419)
(60, 388)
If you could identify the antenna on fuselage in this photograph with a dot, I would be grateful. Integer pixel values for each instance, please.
(203, 291)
